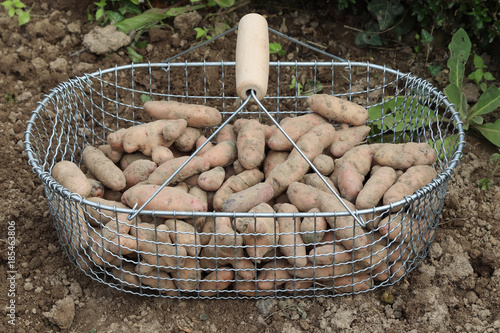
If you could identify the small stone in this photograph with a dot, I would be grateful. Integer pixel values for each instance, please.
(59, 65)
(105, 40)
(62, 313)
(203, 317)
(265, 305)
(28, 286)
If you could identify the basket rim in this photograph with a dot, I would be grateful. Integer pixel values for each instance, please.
(442, 177)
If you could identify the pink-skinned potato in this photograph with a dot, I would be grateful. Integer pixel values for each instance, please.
(69, 175)
(168, 199)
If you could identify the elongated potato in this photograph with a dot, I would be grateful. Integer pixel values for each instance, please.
(104, 169)
(187, 141)
(69, 175)
(251, 144)
(349, 233)
(167, 199)
(216, 281)
(273, 159)
(258, 246)
(295, 128)
(212, 179)
(235, 184)
(350, 182)
(274, 274)
(161, 154)
(313, 228)
(195, 115)
(167, 169)
(115, 139)
(222, 154)
(337, 109)
(291, 244)
(375, 187)
(348, 138)
(412, 180)
(173, 129)
(138, 171)
(145, 137)
(244, 200)
(226, 133)
(201, 140)
(183, 234)
(113, 155)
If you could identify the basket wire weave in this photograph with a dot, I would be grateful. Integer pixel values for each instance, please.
(84, 110)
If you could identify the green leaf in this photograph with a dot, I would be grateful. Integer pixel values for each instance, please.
(458, 98)
(385, 11)
(136, 57)
(488, 102)
(485, 183)
(7, 3)
(114, 17)
(200, 32)
(488, 76)
(20, 5)
(368, 38)
(426, 37)
(24, 18)
(460, 47)
(434, 69)
(225, 3)
(145, 98)
(442, 146)
(274, 48)
(99, 13)
(151, 17)
(478, 62)
(495, 157)
(490, 131)
(12, 12)
(478, 120)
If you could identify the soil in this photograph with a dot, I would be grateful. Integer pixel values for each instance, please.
(456, 288)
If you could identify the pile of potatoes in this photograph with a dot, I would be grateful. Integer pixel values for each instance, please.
(249, 167)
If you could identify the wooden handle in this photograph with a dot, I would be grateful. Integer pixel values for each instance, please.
(252, 56)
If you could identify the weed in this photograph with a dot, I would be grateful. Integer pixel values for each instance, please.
(486, 183)
(17, 7)
(275, 48)
(488, 102)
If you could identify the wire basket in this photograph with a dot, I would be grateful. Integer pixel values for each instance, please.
(84, 110)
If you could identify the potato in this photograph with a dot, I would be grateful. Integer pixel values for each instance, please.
(216, 281)
(337, 109)
(196, 115)
(251, 144)
(69, 175)
(187, 141)
(222, 154)
(113, 155)
(295, 128)
(104, 169)
(235, 184)
(244, 200)
(375, 188)
(138, 171)
(412, 180)
(290, 241)
(168, 199)
(164, 171)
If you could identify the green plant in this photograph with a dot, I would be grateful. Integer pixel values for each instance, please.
(294, 84)
(486, 183)
(9, 98)
(488, 102)
(209, 32)
(389, 15)
(17, 7)
(276, 48)
(479, 74)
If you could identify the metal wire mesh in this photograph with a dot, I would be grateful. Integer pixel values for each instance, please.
(143, 257)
